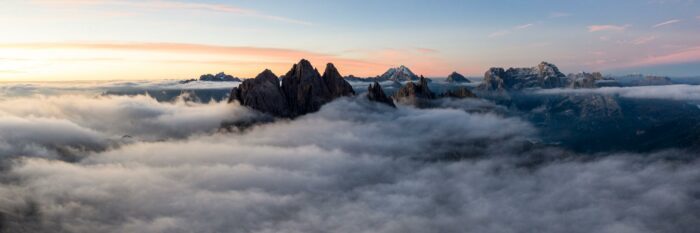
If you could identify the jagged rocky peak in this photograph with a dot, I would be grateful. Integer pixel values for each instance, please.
(412, 91)
(335, 82)
(455, 77)
(262, 93)
(376, 93)
(544, 75)
(303, 90)
(401, 73)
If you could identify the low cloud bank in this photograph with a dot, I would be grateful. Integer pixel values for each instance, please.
(672, 92)
(65, 126)
(355, 166)
(98, 87)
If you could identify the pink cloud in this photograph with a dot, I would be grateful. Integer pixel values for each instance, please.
(669, 22)
(687, 55)
(607, 27)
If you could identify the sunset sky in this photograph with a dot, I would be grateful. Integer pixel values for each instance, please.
(175, 39)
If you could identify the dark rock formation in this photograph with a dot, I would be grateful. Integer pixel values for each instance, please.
(220, 77)
(544, 75)
(455, 77)
(376, 93)
(335, 82)
(262, 93)
(303, 90)
(415, 94)
(459, 93)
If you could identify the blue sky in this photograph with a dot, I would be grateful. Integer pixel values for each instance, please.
(75, 39)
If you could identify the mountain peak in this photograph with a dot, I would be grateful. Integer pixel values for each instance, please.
(401, 73)
(457, 78)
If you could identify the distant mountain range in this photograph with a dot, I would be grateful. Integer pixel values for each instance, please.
(219, 77)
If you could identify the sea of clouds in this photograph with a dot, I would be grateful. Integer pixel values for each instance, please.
(86, 162)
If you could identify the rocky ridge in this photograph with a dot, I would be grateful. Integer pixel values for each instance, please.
(544, 75)
(302, 90)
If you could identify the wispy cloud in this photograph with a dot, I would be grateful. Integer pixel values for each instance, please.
(509, 31)
(682, 56)
(168, 4)
(524, 26)
(643, 40)
(426, 50)
(499, 33)
(669, 22)
(559, 14)
(607, 27)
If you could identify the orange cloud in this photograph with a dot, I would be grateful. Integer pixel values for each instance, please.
(152, 60)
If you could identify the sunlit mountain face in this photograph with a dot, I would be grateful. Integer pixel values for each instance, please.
(339, 116)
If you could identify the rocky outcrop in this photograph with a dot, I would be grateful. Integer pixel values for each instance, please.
(337, 86)
(262, 93)
(593, 107)
(544, 75)
(376, 93)
(583, 80)
(401, 74)
(458, 93)
(303, 90)
(413, 93)
(455, 77)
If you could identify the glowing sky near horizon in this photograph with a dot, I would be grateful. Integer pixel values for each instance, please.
(174, 39)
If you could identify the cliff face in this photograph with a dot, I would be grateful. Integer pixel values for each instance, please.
(544, 75)
(376, 93)
(262, 93)
(413, 90)
(303, 90)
